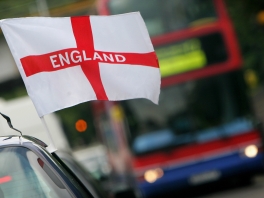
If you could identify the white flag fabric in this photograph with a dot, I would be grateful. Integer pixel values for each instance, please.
(65, 61)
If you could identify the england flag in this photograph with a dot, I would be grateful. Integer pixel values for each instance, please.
(65, 61)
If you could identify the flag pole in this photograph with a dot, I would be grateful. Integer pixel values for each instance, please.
(51, 147)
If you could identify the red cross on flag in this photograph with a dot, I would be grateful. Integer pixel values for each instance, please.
(65, 61)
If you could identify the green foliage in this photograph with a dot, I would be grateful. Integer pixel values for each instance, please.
(16, 93)
(24, 8)
(69, 116)
(250, 33)
(12, 89)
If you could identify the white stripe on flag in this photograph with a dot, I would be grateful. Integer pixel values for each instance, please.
(131, 81)
(128, 37)
(64, 88)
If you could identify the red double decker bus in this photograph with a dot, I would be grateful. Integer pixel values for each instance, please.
(204, 129)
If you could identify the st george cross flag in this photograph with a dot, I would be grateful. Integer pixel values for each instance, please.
(65, 61)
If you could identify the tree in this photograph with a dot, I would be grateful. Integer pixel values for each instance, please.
(246, 18)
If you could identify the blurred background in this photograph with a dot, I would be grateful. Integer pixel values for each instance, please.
(211, 110)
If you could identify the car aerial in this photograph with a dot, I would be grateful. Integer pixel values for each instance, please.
(28, 169)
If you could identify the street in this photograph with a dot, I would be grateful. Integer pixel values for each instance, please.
(256, 190)
(228, 189)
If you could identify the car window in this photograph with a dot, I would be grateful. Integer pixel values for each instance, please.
(23, 175)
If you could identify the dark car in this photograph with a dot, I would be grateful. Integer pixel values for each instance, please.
(27, 170)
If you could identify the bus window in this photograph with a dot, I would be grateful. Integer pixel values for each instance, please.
(167, 16)
(191, 54)
(199, 110)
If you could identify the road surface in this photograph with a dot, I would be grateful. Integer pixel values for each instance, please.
(230, 189)
(255, 190)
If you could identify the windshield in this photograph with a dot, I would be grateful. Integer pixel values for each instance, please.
(194, 111)
(163, 16)
(23, 174)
